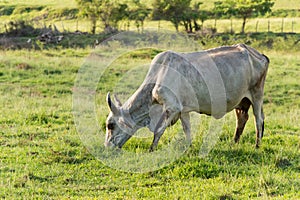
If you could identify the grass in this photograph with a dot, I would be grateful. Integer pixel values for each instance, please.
(279, 4)
(50, 3)
(42, 155)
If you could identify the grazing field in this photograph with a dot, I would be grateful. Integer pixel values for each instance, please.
(43, 157)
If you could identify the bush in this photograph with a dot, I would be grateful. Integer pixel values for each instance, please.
(65, 12)
(6, 10)
(26, 9)
(285, 13)
(20, 28)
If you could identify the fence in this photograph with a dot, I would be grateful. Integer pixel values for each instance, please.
(277, 25)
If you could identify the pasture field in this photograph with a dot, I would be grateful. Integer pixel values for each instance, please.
(42, 156)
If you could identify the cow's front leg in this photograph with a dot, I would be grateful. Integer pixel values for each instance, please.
(186, 125)
(158, 131)
(163, 123)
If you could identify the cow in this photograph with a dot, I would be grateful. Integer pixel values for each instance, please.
(179, 83)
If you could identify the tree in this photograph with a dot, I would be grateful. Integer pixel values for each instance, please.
(138, 13)
(90, 9)
(217, 12)
(203, 16)
(174, 11)
(191, 16)
(245, 8)
(110, 12)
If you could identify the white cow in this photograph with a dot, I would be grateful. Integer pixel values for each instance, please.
(211, 82)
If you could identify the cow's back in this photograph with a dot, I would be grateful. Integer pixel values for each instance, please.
(188, 74)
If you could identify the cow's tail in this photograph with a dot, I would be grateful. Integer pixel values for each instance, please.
(267, 62)
(267, 59)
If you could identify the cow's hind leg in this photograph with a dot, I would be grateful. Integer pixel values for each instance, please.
(259, 120)
(241, 118)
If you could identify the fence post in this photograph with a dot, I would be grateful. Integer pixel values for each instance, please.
(231, 28)
(6, 29)
(215, 25)
(158, 25)
(282, 23)
(292, 26)
(268, 25)
(256, 27)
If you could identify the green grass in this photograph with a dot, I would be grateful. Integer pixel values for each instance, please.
(50, 3)
(43, 157)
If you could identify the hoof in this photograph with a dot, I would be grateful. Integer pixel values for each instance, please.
(151, 149)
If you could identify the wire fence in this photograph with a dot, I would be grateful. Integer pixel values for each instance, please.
(276, 25)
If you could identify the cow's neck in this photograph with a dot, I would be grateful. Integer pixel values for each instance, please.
(138, 106)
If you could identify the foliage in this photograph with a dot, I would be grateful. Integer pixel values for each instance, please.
(124, 13)
(180, 13)
(172, 10)
(6, 10)
(68, 13)
(138, 12)
(244, 9)
(90, 9)
(109, 12)
(285, 13)
(27, 9)
(20, 28)
(191, 16)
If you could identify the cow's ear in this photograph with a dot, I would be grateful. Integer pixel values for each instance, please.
(119, 103)
(111, 105)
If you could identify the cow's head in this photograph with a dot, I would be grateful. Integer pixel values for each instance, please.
(118, 126)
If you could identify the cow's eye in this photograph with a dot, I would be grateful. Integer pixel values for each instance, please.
(110, 126)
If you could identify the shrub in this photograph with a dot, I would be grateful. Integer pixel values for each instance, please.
(6, 10)
(26, 9)
(20, 28)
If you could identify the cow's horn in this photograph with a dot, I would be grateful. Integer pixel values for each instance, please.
(111, 105)
(119, 103)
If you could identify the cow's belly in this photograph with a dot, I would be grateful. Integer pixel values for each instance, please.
(205, 106)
